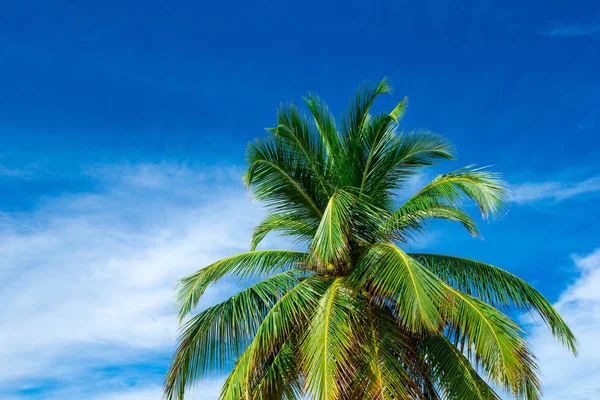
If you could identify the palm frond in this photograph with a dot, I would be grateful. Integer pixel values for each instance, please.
(301, 139)
(382, 373)
(387, 271)
(482, 186)
(286, 319)
(498, 288)
(359, 110)
(299, 228)
(330, 240)
(413, 216)
(398, 111)
(494, 342)
(328, 343)
(243, 265)
(325, 124)
(394, 158)
(213, 338)
(282, 378)
(279, 178)
(453, 373)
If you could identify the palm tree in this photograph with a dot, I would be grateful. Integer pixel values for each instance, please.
(352, 314)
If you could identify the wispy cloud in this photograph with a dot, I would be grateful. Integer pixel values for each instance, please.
(591, 121)
(572, 30)
(88, 279)
(553, 190)
(566, 376)
(13, 172)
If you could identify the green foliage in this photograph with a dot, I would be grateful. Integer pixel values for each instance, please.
(354, 316)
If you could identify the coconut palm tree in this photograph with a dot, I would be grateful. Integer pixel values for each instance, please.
(352, 314)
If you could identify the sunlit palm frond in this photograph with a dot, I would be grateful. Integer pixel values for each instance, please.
(453, 372)
(396, 157)
(281, 180)
(385, 270)
(288, 318)
(299, 229)
(244, 265)
(215, 336)
(494, 342)
(497, 287)
(325, 124)
(384, 357)
(480, 185)
(328, 343)
(413, 217)
(331, 238)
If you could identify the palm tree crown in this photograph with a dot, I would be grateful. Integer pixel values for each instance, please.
(353, 314)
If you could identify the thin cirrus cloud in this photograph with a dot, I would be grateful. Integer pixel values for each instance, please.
(573, 30)
(89, 278)
(531, 192)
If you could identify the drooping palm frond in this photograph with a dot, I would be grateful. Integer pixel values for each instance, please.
(215, 336)
(453, 372)
(477, 184)
(282, 378)
(300, 229)
(387, 271)
(414, 217)
(384, 359)
(244, 265)
(328, 343)
(286, 319)
(497, 287)
(494, 342)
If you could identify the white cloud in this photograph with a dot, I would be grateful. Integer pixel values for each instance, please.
(573, 30)
(553, 190)
(205, 390)
(591, 121)
(87, 280)
(563, 375)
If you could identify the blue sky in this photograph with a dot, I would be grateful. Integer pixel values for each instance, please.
(122, 134)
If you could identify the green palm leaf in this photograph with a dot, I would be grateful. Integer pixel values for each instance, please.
(328, 343)
(330, 240)
(301, 230)
(244, 265)
(387, 271)
(495, 343)
(280, 179)
(282, 379)
(483, 187)
(413, 217)
(214, 337)
(286, 319)
(325, 124)
(453, 372)
(497, 287)
(386, 353)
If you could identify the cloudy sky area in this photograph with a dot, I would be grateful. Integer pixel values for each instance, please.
(122, 135)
